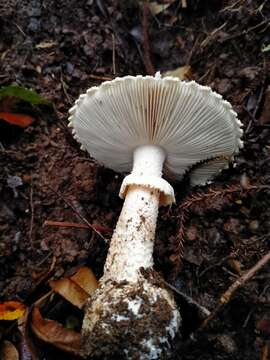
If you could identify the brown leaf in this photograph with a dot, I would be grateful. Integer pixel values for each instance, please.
(77, 288)
(70, 291)
(86, 279)
(20, 120)
(54, 333)
(182, 73)
(8, 351)
(265, 116)
(28, 349)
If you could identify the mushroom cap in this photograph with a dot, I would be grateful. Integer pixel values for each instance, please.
(189, 121)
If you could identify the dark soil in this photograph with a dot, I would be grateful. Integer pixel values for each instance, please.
(223, 42)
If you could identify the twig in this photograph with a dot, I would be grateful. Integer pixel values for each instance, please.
(258, 102)
(77, 213)
(226, 297)
(230, 37)
(65, 90)
(188, 299)
(20, 29)
(181, 234)
(75, 225)
(214, 193)
(100, 78)
(193, 49)
(220, 262)
(113, 55)
(230, 7)
(32, 215)
(212, 35)
(44, 259)
(146, 47)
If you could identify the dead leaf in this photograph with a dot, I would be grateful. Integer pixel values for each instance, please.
(54, 333)
(77, 288)
(21, 120)
(156, 8)
(29, 350)
(46, 44)
(182, 73)
(70, 291)
(8, 351)
(11, 310)
(265, 116)
(266, 48)
(235, 265)
(86, 279)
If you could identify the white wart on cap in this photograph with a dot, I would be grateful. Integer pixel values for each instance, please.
(188, 121)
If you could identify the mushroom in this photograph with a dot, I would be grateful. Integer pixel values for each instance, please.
(150, 125)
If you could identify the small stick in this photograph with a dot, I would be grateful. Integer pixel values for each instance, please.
(113, 54)
(63, 84)
(77, 213)
(75, 225)
(226, 297)
(32, 214)
(146, 47)
(101, 78)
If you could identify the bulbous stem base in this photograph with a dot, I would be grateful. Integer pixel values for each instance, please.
(134, 320)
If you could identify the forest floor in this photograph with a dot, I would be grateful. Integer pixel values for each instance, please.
(61, 48)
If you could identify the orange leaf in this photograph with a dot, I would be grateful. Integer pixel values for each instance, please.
(70, 291)
(54, 333)
(11, 310)
(17, 119)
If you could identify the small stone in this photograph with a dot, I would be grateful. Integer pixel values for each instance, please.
(227, 343)
(232, 226)
(192, 233)
(13, 182)
(254, 225)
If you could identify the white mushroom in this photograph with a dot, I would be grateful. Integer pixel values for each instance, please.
(151, 125)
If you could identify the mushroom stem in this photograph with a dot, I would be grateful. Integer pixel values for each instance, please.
(133, 239)
(131, 313)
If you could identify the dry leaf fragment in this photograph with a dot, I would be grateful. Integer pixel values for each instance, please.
(70, 291)
(54, 333)
(8, 351)
(156, 8)
(77, 288)
(46, 44)
(86, 279)
(11, 310)
(265, 116)
(21, 120)
(182, 73)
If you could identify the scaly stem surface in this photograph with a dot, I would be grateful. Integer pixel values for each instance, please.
(133, 240)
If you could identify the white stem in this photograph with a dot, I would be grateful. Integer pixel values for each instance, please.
(131, 313)
(133, 239)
